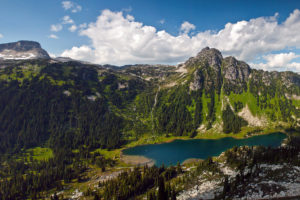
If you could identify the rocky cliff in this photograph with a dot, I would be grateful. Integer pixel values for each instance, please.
(22, 50)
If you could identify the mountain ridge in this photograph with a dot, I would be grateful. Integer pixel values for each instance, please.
(201, 95)
(23, 49)
(78, 112)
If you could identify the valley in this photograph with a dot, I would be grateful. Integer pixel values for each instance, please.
(64, 125)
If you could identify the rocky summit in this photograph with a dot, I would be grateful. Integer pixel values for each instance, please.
(22, 50)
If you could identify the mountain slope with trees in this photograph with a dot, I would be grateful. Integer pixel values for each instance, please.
(67, 104)
(75, 108)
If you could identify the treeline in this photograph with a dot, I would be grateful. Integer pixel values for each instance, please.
(231, 121)
(22, 181)
(130, 184)
(172, 115)
(35, 112)
(271, 94)
(251, 158)
(29, 179)
(64, 105)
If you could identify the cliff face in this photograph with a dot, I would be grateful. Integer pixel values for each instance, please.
(22, 50)
(205, 85)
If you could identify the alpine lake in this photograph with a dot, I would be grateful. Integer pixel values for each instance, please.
(181, 150)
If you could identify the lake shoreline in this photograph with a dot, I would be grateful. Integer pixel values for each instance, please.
(142, 159)
(204, 136)
(136, 160)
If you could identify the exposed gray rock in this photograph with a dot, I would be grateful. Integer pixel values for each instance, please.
(207, 57)
(211, 56)
(234, 70)
(196, 84)
(22, 50)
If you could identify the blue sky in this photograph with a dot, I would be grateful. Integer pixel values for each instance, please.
(263, 33)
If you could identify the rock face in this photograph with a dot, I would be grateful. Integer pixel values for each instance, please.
(208, 75)
(216, 71)
(235, 70)
(207, 56)
(212, 71)
(236, 74)
(22, 50)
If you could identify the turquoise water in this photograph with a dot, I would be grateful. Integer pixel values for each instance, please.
(180, 150)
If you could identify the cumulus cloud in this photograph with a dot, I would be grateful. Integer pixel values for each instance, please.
(1, 36)
(53, 36)
(280, 61)
(67, 20)
(72, 6)
(118, 39)
(186, 27)
(80, 53)
(56, 27)
(73, 28)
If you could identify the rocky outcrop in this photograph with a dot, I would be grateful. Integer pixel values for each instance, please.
(235, 75)
(206, 57)
(22, 50)
(208, 73)
(235, 71)
(212, 71)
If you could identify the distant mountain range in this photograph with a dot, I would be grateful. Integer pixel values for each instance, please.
(43, 98)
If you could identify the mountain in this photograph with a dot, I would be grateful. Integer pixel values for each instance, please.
(43, 100)
(80, 114)
(198, 94)
(22, 50)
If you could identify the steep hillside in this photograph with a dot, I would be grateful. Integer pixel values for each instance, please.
(68, 103)
(223, 94)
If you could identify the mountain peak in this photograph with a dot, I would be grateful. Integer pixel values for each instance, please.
(209, 51)
(210, 55)
(22, 50)
(207, 56)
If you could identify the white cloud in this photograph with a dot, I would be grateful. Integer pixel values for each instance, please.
(1, 36)
(162, 21)
(281, 61)
(56, 27)
(73, 28)
(67, 20)
(129, 9)
(53, 36)
(119, 39)
(52, 55)
(186, 27)
(69, 5)
(84, 25)
(80, 53)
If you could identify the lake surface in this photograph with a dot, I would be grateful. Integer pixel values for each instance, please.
(180, 150)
